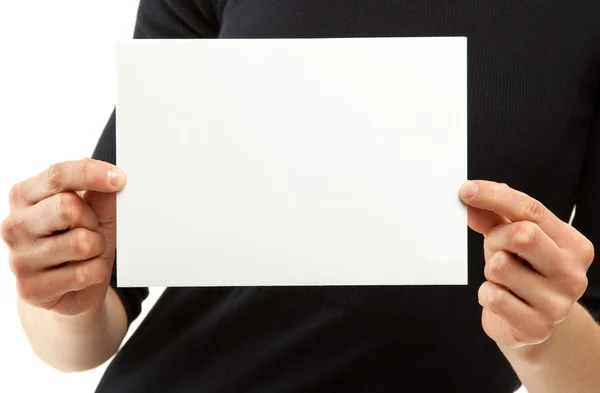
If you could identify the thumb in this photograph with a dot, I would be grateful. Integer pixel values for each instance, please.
(103, 204)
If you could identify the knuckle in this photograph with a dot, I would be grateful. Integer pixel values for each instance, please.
(82, 243)
(500, 189)
(14, 195)
(481, 291)
(496, 300)
(81, 275)
(88, 168)
(524, 234)
(7, 230)
(18, 265)
(67, 207)
(558, 310)
(91, 273)
(55, 176)
(577, 284)
(534, 210)
(581, 286)
(588, 252)
(25, 290)
(486, 244)
(498, 265)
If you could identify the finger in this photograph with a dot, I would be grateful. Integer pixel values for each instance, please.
(482, 221)
(516, 206)
(62, 211)
(11, 230)
(75, 245)
(104, 205)
(46, 289)
(79, 175)
(58, 213)
(528, 241)
(519, 321)
(507, 271)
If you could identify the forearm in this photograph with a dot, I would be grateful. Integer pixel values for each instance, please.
(75, 343)
(569, 361)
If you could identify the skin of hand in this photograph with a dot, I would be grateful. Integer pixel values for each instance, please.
(535, 264)
(61, 235)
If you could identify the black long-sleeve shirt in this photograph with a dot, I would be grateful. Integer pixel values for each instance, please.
(534, 123)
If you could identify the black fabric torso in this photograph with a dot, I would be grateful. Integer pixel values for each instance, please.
(534, 72)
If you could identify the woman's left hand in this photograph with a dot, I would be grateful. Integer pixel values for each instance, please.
(535, 263)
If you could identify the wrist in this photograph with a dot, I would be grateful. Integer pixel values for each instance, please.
(566, 334)
(82, 322)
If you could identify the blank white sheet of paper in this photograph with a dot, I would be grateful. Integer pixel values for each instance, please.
(256, 162)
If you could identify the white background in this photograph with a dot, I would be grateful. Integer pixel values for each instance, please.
(57, 90)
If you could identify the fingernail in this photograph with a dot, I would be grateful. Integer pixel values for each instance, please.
(116, 177)
(468, 190)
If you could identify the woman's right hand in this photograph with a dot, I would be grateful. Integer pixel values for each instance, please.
(61, 235)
